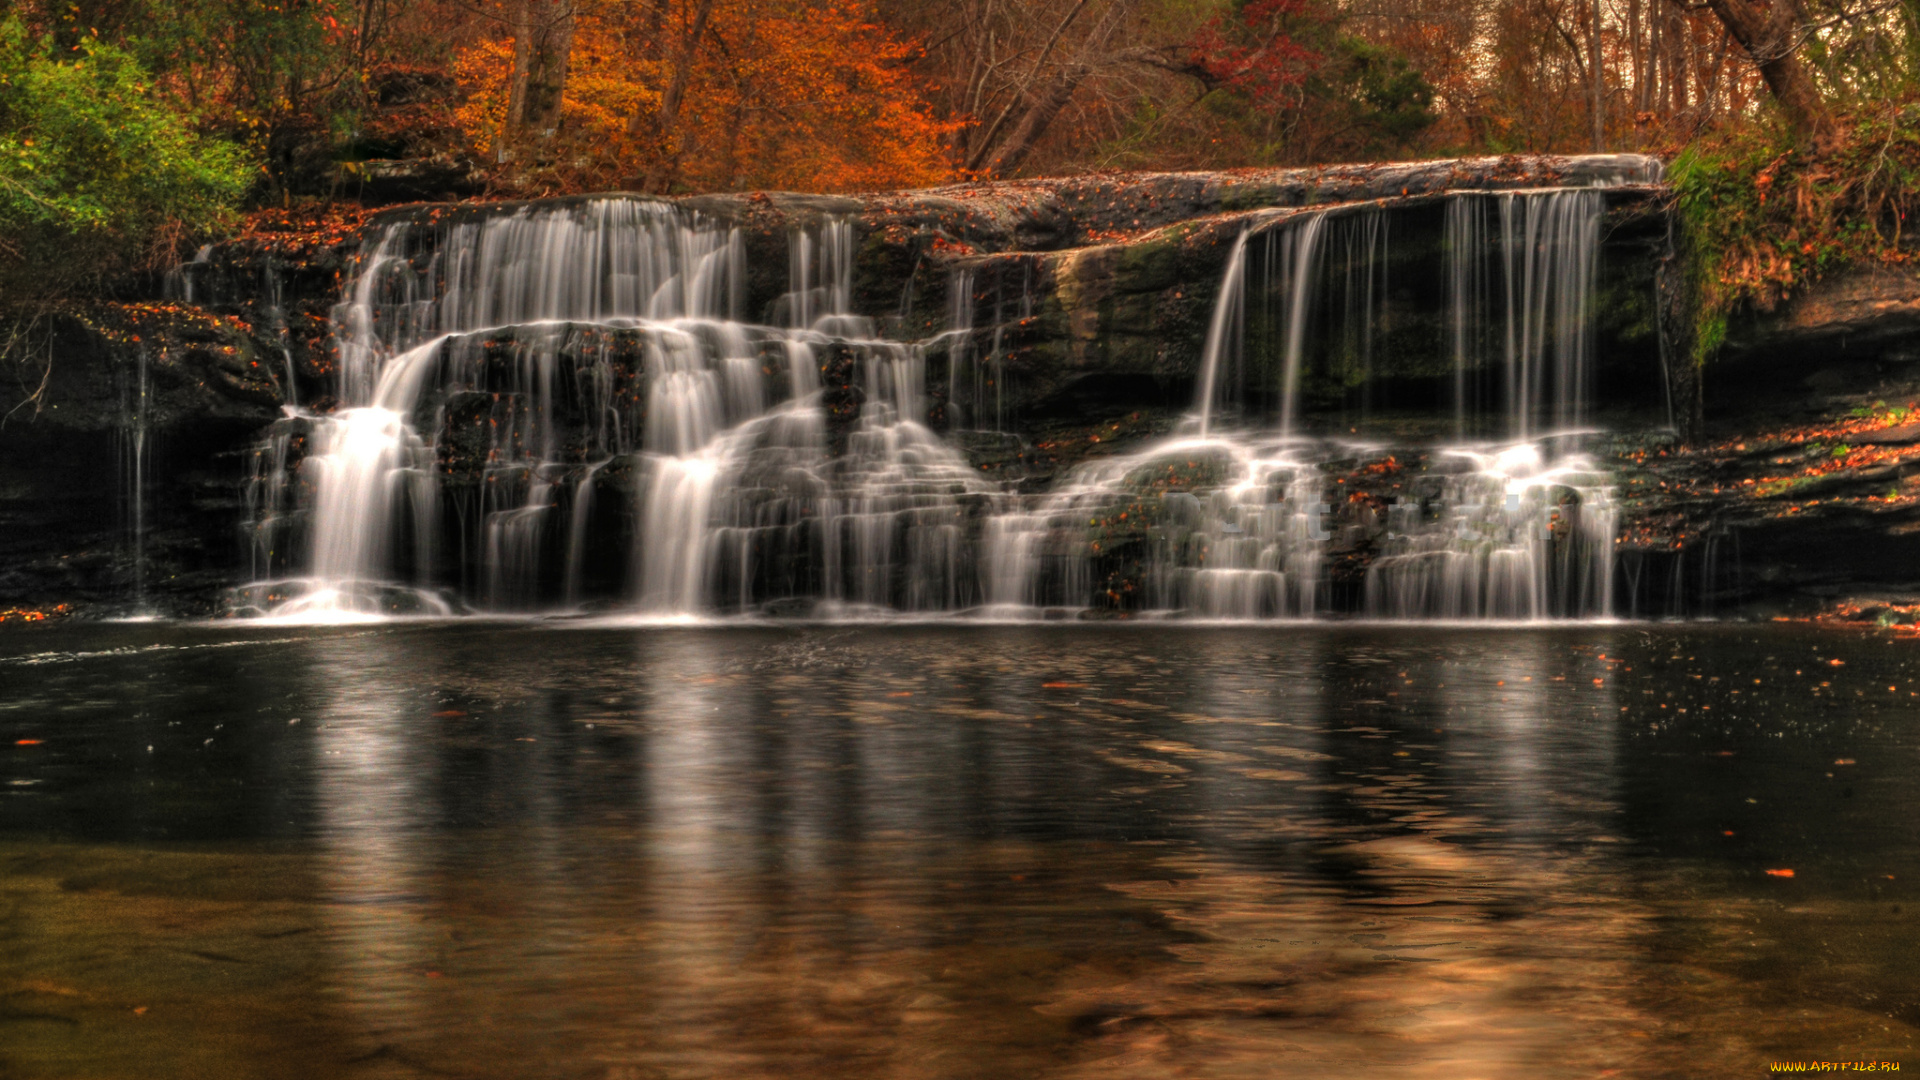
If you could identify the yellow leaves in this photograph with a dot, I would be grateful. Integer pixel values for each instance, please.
(483, 71)
(781, 94)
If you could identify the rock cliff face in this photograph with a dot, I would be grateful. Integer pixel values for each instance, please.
(125, 479)
(1873, 310)
(120, 470)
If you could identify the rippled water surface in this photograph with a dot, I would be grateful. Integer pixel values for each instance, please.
(925, 851)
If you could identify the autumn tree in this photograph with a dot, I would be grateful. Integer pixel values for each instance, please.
(1100, 83)
(1772, 37)
(701, 95)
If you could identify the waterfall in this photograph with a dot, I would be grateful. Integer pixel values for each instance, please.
(181, 284)
(1223, 329)
(543, 406)
(508, 379)
(1548, 256)
(1465, 240)
(977, 381)
(1509, 538)
(1299, 251)
(135, 464)
(1364, 285)
(1521, 533)
(482, 345)
(959, 336)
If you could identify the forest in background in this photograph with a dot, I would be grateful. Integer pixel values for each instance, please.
(128, 127)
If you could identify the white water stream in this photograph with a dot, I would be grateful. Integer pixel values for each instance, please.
(744, 484)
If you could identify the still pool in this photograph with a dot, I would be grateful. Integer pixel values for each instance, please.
(1116, 851)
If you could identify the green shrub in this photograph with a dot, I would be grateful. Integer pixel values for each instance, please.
(1764, 221)
(96, 172)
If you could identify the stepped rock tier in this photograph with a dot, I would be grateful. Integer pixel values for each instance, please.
(1434, 390)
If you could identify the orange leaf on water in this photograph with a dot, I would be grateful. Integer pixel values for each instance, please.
(445, 713)
(1779, 873)
(1063, 686)
(28, 742)
(902, 693)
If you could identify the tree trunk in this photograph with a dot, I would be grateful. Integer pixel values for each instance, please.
(1047, 106)
(542, 51)
(1637, 57)
(1039, 65)
(1772, 39)
(1052, 98)
(552, 55)
(660, 176)
(517, 85)
(1597, 79)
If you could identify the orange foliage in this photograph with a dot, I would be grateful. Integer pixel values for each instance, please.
(780, 94)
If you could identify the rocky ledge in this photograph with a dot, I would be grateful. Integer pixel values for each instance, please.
(150, 413)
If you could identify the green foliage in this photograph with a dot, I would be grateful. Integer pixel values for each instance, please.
(93, 167)
(266, 60)
(1359, 101)
(1764, 221)
(1390, 99)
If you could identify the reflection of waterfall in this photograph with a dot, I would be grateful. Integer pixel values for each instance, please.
(370, 775)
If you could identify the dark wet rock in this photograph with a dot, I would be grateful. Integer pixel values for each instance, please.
(1901, 435)
(380, 181)
(1869, 309)
(167, 395)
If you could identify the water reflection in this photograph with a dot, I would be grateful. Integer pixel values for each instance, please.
(372, 780)
(939, 852)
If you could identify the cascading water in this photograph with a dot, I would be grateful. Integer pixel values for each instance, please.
(1524, 531)
(481, 398)
(524, 389)
(976, 399)
(1521, 268)
(1521, 531)
(1494, 542)
(1224, 525)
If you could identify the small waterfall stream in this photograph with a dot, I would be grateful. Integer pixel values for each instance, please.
(521, 389)
(136, 453)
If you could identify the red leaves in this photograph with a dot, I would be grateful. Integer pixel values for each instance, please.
(1257, 54)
